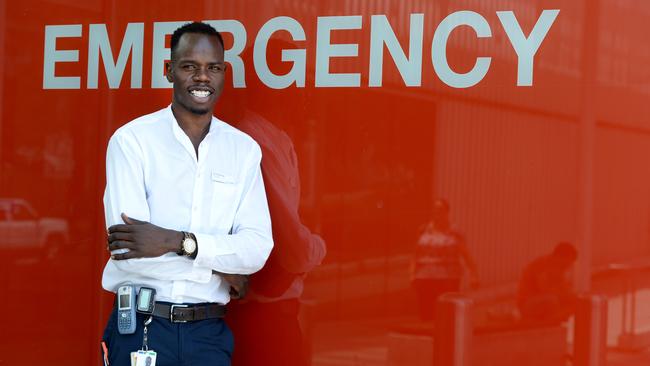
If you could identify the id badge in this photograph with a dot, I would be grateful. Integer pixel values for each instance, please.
(143, 358)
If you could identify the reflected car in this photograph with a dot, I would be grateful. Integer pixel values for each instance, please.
(23, 230)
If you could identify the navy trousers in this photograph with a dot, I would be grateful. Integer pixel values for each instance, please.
(204, 342)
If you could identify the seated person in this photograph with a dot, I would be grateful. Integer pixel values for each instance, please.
(545, 293)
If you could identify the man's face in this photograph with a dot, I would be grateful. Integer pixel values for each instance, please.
(197, 72)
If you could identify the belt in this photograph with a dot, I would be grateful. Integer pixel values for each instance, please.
(180, 313)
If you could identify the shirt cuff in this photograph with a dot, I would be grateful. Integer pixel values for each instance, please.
(201, 274)
(209, 248)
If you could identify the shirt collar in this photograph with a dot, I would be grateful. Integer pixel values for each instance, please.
(178, 131)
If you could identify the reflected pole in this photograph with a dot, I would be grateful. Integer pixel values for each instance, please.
(590, 332)
(3, 30)
(587, 131)
(453, 333)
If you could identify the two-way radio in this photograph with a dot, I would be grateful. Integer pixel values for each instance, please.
(126, 309)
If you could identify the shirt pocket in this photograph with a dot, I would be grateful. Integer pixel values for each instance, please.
(225, 200)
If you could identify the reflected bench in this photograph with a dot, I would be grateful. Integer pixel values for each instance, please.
(513, 344)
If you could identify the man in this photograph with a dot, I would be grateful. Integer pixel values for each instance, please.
(186, 209)
(546, 293)
(441, 257)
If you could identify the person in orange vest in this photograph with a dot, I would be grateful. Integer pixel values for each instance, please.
(441, 258)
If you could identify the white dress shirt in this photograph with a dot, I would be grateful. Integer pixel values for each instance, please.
(153, 174)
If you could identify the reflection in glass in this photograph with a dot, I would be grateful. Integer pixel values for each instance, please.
(267, 321)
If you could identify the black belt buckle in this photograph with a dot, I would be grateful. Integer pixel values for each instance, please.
(171, 313)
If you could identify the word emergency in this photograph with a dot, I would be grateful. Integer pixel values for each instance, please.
(381, 36)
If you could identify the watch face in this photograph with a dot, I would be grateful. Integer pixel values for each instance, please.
(189, 246)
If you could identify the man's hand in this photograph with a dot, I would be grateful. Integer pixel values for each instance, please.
(238, 284)
(142, 239)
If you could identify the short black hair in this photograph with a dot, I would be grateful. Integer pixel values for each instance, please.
(194, 27)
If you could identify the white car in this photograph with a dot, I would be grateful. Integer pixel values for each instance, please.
(22, 229)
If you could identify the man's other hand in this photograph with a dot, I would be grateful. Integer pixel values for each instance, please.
(238, 284)
(142, 239)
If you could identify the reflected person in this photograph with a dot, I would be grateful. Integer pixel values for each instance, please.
(266, 323)
(546, 291)
(440, 260)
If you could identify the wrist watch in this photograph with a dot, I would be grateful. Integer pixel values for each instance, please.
(188, 245)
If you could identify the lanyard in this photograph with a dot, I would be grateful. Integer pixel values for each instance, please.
(145, 337)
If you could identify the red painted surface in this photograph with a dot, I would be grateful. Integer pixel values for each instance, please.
(522, 167)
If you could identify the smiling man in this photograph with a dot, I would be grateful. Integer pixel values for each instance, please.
(186, 212)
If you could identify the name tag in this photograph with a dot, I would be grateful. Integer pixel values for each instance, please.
(143, 358)
(222, 178)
